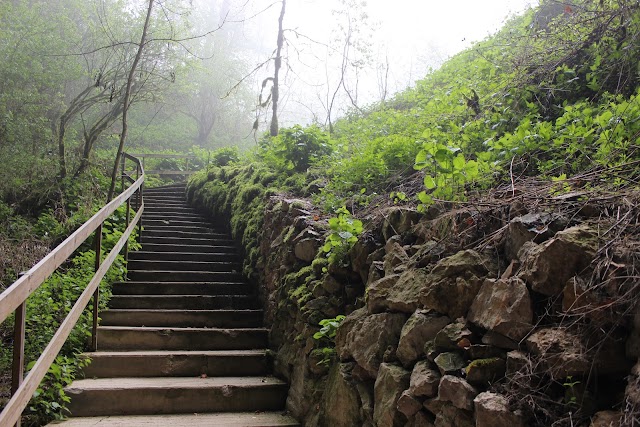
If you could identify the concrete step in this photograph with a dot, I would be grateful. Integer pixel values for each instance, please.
(185, 234)
(183, 276)
(166, 247)
(140, 396)
(165, 201)
(186, 241)
(182, 288)
(240, 419)
(183, 265)
(184, 302)
(158, 338)
(146, 216)
(178, 222)
(189, 229)
(183, 256)
(182, 318)
(175, 210)
(116, 364)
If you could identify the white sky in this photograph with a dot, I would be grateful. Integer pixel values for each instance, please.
(415, 35)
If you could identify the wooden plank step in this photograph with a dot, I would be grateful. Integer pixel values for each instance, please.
(247, 318)
(232, 363)
(158, 338)
(231, 419)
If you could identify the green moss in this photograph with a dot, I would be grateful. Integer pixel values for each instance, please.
(319, 263)
(479, 363)
(300, 295)
(289, 233)
(298, 278)
(251, 192)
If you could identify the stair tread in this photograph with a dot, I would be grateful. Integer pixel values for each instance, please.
(167, 353)
(124, 383)
(178, 329)
(230, 419)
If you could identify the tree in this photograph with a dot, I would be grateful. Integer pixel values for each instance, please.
(275, 89)
(126, 100)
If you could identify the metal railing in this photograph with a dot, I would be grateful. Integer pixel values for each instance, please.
(14, 298)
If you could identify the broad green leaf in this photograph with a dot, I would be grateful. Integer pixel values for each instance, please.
(429, 182)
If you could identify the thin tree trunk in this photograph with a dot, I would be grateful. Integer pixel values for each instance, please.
(273, 130)
(125, 102)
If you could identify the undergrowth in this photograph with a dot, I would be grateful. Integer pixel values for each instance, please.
(24, 241)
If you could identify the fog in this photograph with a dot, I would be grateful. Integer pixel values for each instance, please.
(403, 40)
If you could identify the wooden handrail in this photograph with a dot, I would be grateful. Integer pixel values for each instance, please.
(14, 298)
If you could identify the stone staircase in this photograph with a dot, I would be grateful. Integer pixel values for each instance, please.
(182, 342)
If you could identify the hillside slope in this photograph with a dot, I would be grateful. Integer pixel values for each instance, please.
(479, 233)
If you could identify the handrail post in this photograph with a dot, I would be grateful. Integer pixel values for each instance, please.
(96, 294)
(123, 164)
(17, 371)
(140, 199)
(127, 221)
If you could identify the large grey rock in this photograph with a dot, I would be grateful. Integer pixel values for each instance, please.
(450, 416)
(463, 263)
(483, 372)
(454, 336)
(607, 419)
(560, 351)
(450, 296)
(500, 341)
(533, 227)
(427, 253)
(564, 352)
(457, 391)
(517, 360)
(399, 220)
(365, 338)
(632, 393)
(306, 249)
(361, 257)
(396, 292)
(391, 382)
(422, 419)
(548, 267)
(503, 306)
(408, 404)
(424, 380)
(421, 327)
(341, 406)
(395, 255)
(492, 410)
(449, 363)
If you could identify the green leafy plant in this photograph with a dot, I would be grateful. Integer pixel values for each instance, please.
(295, 148)
(447, 172)
(570, 390)
(326, 337)
(344, 234)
